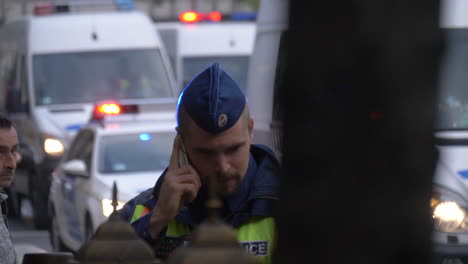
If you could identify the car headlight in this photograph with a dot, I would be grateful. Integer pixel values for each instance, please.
(107, 207)
(53, 146)
(449, 211)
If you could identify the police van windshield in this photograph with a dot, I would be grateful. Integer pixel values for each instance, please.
(135, 152)
(67, 78)
(237, 67)
(452, 107)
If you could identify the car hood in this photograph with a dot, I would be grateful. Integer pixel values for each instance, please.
(131, 184)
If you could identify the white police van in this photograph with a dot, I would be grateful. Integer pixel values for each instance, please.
(55, 64)
(199, 39)
(450, 194)
(126, 143)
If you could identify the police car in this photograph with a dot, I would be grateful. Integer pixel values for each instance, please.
(129, 144)
(450, 192)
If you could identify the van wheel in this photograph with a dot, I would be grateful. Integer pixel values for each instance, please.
(39, 195)
(54, 235)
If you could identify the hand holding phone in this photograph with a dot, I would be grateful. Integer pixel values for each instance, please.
(183, 159)
(181, 184)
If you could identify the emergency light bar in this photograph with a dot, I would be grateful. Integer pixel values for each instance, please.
(63, 6)
(192, 16)
(110, 112)
(106, 109)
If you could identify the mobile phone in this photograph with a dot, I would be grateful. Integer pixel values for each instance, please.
(183, 159)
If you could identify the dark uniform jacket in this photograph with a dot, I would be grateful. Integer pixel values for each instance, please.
(254, 200)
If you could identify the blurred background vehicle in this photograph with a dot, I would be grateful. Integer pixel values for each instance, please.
(54, 65)
(131, 149)
(266, 73)
(450, 194)
(199, 39)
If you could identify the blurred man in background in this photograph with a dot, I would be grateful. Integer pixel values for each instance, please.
(9, 156)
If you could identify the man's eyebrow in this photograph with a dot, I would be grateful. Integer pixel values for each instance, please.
(5, 147)
(230, 147)
(203, 149)
(236, 145)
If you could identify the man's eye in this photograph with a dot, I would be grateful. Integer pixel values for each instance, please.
(204, 152)
(233, 149)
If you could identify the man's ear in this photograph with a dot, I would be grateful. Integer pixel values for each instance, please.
(251, 127)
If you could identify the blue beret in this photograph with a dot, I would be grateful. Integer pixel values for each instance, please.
(213, 99)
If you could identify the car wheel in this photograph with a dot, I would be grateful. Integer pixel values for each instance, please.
(89, 232)
(55, 238)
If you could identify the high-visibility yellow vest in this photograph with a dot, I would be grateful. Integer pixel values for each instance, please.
(257, 235)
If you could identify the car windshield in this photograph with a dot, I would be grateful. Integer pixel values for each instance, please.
(237, 67)
(101, 75)
(452, 107)
(137, 152)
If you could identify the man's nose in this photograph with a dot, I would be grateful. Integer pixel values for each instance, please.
(10, 160)
(222, 164)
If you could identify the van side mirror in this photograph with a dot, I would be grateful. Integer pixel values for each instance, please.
(75, 167)
(14, 103)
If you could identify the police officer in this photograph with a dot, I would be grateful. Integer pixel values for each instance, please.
(215, 131)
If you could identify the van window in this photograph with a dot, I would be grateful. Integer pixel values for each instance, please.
(100, 75)
(23, 91)
(452, 107)
(82, 148)
(237, 67)
(7, 76)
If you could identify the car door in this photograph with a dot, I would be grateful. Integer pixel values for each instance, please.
(83, 185)
(72, 201)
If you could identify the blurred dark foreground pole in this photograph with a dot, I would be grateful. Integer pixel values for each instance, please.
(359, 97)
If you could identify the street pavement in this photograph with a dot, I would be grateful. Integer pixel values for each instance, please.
(25, 238)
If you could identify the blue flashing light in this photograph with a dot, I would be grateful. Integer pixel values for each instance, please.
(74, 127)
(125, 4)
(463, 174)
(145, 136)
(244, 16)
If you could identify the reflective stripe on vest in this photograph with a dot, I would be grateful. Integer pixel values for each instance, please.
(176, 229)
(257, 236)
(140, 211)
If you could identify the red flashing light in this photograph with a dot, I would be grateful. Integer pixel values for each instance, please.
(108, 109)
(215, 16)
(43, 8)
(192, 16)
(105, 109)
(189, 17)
